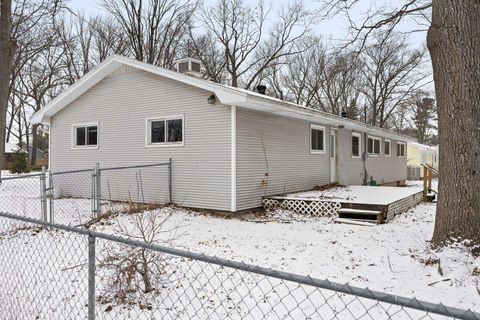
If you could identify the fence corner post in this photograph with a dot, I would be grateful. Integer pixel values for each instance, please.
(91, 277)
(170, 198)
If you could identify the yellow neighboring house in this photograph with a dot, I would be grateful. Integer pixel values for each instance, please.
(417, 154)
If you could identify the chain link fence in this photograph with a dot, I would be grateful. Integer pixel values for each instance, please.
(53, 271)
(75, 197)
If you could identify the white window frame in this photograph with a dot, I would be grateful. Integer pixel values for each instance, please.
(148, 132)
(359, 135)
(389, 147)
(74, 136)
(317, 127)
(373, 146)
(404, 149)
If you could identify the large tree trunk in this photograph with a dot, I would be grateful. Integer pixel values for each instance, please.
(454, 45)
(7, 50)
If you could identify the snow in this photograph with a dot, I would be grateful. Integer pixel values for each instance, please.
(357, 194)
(393, 257)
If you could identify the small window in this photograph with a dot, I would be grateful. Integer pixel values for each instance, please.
(373, 146)
(183, 67)
(165, 131)
(85, 136)
(401, 149)
(356, 148)
(387, 148)
(317, 139)
(196, 66)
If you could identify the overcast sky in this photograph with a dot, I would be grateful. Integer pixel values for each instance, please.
(334, 29)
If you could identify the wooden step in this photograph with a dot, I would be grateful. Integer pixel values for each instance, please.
(371, 216)
(359, 212)
(357, 222)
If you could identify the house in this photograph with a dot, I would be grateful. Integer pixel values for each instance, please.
(230, 147)
(11, 148)
(420, 154)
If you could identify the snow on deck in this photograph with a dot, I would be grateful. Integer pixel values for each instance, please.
(356, 194)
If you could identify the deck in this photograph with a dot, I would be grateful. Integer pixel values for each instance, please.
(363, 203)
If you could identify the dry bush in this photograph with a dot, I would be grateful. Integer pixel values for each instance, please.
(134, 274)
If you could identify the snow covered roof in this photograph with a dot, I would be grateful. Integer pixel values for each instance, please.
(227, 95)
(10, 147)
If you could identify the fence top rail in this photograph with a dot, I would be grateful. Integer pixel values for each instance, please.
(71, 171)
(24, 176)
(136, 166)
(411, 303)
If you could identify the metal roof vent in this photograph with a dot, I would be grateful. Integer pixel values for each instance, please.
(189, 66)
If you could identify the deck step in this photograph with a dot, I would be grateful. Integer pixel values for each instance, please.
(357, 222)
(359, 212)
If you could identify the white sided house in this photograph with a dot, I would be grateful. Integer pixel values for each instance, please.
(229, 147)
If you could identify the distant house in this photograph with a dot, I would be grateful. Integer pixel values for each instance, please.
(421, 154)
(11, 148)
(230, 147)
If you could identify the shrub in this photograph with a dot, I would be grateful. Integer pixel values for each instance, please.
(20, 162)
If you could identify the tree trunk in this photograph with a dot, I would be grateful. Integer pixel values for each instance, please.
(7, 50)
(454, 44)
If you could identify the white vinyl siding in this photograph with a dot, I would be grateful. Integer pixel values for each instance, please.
(273, 156)
(121, 102)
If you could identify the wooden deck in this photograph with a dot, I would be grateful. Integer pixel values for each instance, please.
(360, 203)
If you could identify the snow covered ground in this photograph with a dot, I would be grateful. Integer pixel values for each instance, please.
(393, 257)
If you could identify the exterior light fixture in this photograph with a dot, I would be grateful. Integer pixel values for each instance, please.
(211, 99)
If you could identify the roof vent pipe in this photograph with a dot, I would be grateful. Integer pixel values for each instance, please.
(262, 89)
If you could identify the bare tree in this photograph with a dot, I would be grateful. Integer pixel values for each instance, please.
(390, 73)
(204, 48)
(240, 31)
(453, 42)
(137, 272)
(154, 28)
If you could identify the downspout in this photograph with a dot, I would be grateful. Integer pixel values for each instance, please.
(364, 159)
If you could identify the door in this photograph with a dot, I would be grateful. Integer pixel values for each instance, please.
(333, 155)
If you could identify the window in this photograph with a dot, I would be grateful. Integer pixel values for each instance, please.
(85, 136)
(165, 131)
(401, 149)
(356, 145)
(387, 148)
(183, 67)
(373, 146)
(196, 67)
(317, 139)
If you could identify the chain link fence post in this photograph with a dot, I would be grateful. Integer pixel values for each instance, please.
(43, 194)
(91, 277)
(50, 195)
(170, 198)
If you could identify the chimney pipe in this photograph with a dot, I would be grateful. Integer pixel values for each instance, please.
(262, 89)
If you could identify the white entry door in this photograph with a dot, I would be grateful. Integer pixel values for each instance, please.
(333, 155)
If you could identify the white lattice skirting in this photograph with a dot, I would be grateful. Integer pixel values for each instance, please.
(315, 208)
